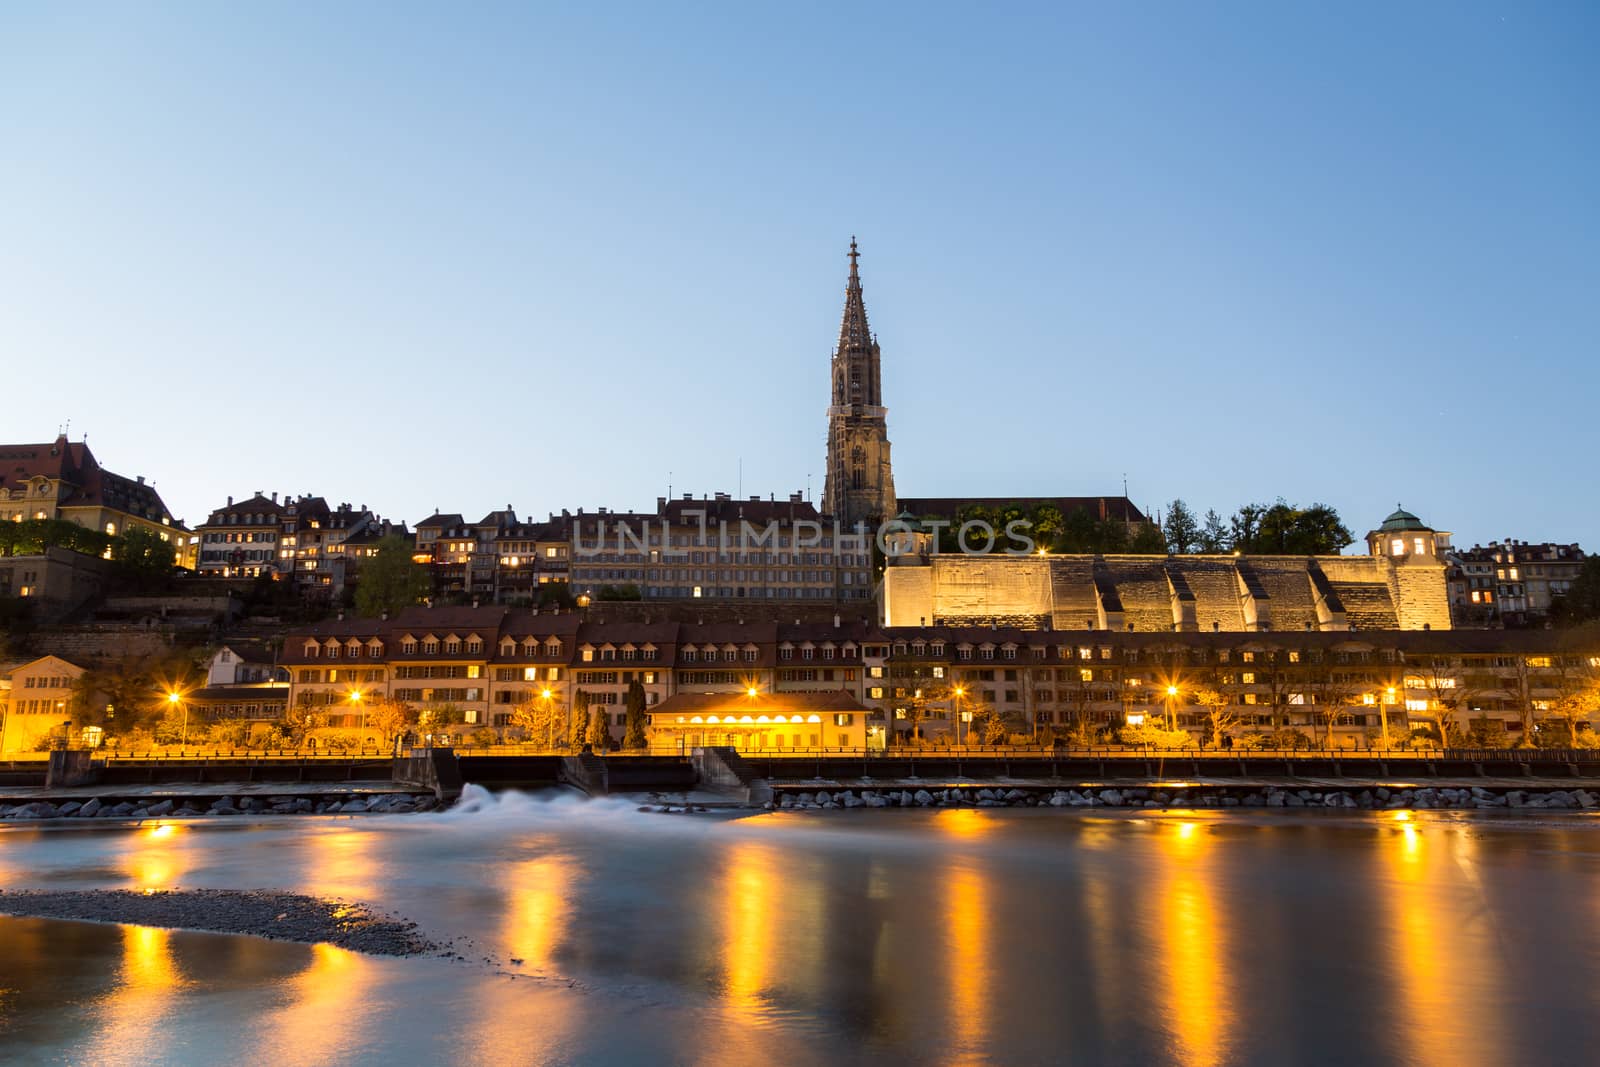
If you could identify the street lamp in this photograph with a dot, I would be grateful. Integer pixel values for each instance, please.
(175, 699)
(356, 701)
(961, 716)
(1172, 696)
(1383, 716)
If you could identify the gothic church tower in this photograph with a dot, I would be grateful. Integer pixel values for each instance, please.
(860, 484)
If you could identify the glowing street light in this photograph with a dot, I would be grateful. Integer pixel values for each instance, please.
(752, 692)
(175, 699)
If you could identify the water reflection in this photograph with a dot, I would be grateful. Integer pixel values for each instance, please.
(1194, 984)
(1443, 953)
(147, 990)
(749, 901)
(967, 959)
(159, 858)
(539, 894)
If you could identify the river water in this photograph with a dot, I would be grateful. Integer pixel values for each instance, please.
(598, 934)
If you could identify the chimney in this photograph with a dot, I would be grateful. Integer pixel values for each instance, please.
(836, 620)
(474, 601)
(230, 501)
(340, 616)
(383, 616)
(661, 505)
(140, 479)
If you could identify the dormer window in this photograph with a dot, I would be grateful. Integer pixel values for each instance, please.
(408, 647)
(430, 647)
(474, 645)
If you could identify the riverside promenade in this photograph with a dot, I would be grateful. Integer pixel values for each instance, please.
(156, 785)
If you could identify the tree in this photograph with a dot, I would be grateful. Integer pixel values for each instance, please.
(1213, 536)
(578, 728)
(538, 719)
(1581, 603)
(635, 737)
(142, 556)
(298, 722)
(1218, 703)
(600, 728)
(390, 718)
(1147, 540)
(1182, 532)
(1576, 695)
(1287, 530)
(996, 730)
(1243, 527)
(390, 579)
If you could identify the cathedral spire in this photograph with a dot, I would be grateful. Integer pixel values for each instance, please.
(855, 336)
(860, 486)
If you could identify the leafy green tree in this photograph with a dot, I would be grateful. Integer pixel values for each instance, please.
(996, 731)
(1213, 537)
(1581, 603)
(1181, 529)
(636, 736)
(390, 579)
(1243, 527)
(142, 556)
(600, 728)
(579, 726)
(1148, 540)
(538, 719)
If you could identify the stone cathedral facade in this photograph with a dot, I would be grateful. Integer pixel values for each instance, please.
(859, 487)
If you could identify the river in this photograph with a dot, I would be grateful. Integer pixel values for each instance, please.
(594, 933)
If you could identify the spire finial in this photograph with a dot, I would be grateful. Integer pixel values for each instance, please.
(854, 255)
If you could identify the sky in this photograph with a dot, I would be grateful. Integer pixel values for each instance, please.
(456, 257)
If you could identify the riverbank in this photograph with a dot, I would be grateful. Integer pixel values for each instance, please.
(139, 806)
(258, 913)
(1194, 795)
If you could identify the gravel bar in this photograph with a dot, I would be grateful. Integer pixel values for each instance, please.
(258, 913)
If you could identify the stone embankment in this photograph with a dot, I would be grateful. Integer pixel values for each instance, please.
(196, 807)
(1380, 798)
(259, 913)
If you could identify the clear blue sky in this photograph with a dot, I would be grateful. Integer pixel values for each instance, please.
(466, 256)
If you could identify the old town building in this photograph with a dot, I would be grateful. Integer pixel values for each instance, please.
(1510, 583)
(63, 480)
(933, 683)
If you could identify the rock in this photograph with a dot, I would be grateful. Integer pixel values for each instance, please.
(1230, 802)
(1256, 800)
(351, 807)
(39, 809)
(120, 809)
(224, 806)
(1277, 800)
(1152, 803)
(1585, 798)
(303, 805)
(985, 794)
(1111, 797)
(1059, 800)
(1381, 793)
(823, 798)
(853, 801)
(160, 808)
(1516, 798)
(1294, 800)
(805, 798)
(877, 802)
(69, 808)
(139, 813)
(1015, 795)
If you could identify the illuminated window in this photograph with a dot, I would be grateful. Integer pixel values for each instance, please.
(1417, 542)
(1538, 661)
(1248, 678)
(1416, 705)
(1086, 675)
(1397, 547)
